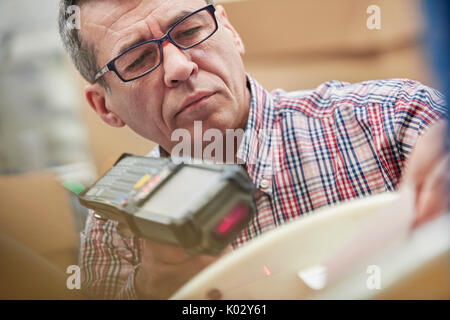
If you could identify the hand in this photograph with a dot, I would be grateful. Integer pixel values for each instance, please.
(165, 268)
(427, 172)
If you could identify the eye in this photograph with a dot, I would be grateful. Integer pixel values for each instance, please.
(187, 33)
(191, 31)
(139, 60)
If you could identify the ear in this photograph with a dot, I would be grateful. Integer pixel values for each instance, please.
(222, 17)
(96, 97)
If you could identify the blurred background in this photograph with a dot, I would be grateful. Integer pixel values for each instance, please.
(48, 133)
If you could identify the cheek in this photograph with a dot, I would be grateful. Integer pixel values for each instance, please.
(220, 48)
(222, 60)
(140, 106)
(147, 93)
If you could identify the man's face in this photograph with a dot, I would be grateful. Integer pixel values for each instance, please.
(155, 105)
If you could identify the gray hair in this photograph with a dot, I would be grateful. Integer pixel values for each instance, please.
(82, 54)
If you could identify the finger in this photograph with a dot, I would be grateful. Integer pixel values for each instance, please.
(165, 253)
(124, 231)
(428, 151)
(433, 197)
(169, 254)
(166, 278)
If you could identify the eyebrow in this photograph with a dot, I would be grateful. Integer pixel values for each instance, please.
(178, 17)
(131, 43)
(171, 22)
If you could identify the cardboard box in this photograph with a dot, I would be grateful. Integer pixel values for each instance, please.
(35, 211)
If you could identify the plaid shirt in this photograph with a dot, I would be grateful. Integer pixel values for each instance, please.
(303, 150)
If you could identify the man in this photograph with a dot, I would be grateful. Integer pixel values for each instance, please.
(311, 148)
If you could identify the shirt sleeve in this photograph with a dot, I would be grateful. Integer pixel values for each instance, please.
(397, 125)
(417, 108)
(108, 261)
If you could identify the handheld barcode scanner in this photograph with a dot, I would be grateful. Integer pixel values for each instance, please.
(199, 207)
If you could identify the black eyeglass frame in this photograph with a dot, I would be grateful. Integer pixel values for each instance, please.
(110, 66)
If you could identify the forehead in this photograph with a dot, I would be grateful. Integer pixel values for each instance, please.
(110, 25)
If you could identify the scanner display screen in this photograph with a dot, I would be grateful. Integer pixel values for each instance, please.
(180, 192)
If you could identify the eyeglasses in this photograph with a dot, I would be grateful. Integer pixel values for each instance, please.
(144, 57)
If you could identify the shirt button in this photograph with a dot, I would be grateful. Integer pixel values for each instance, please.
(264, 183)
(99, 217)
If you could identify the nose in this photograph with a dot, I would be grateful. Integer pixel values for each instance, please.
(177, 66)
